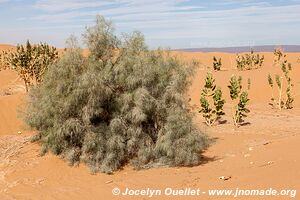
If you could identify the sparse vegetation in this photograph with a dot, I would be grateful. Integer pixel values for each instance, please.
(211, 101)
(249, 61)
(278, 55)
(217, 63)
(29, 61)
(239, 100)
(122, 104)
(248, 83)
(285, 98)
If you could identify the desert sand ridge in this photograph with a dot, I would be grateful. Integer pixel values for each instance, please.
(241, 49)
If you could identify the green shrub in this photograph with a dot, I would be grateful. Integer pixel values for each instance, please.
(29, 61)
(239, 100)
(249, 61)
(122, 104)
(283, 100)
(217, 64)
(211, 101)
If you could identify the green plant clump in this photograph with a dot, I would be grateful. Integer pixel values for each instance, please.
(239, 100)
(217, 63)
(285, 98)
(249, 61)
(211, 101)
(29, 61)
(121, 104)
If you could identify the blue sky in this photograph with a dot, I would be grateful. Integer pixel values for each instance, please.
(165, 23)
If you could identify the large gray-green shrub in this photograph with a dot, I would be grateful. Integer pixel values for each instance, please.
(121, 104)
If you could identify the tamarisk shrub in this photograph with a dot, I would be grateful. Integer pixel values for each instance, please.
(121, 104)
(239, 100)
(283, 100)
(211, 101)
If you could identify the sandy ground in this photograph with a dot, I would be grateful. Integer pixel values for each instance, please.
(260, 155)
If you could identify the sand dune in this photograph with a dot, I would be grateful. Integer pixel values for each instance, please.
(12, 94)
(5, 47)
(261, 155)
(264, 48)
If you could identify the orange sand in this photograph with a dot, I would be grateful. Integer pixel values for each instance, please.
(261, 155)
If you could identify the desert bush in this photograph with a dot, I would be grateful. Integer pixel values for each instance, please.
(239, 100)
(211, 101)
(217, 63)
(285, 98)
(29, 61)
(43, 56)
(249, 61)
(122, 104)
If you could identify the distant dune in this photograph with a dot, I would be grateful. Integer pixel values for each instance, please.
(265, 48)
(5, 47)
